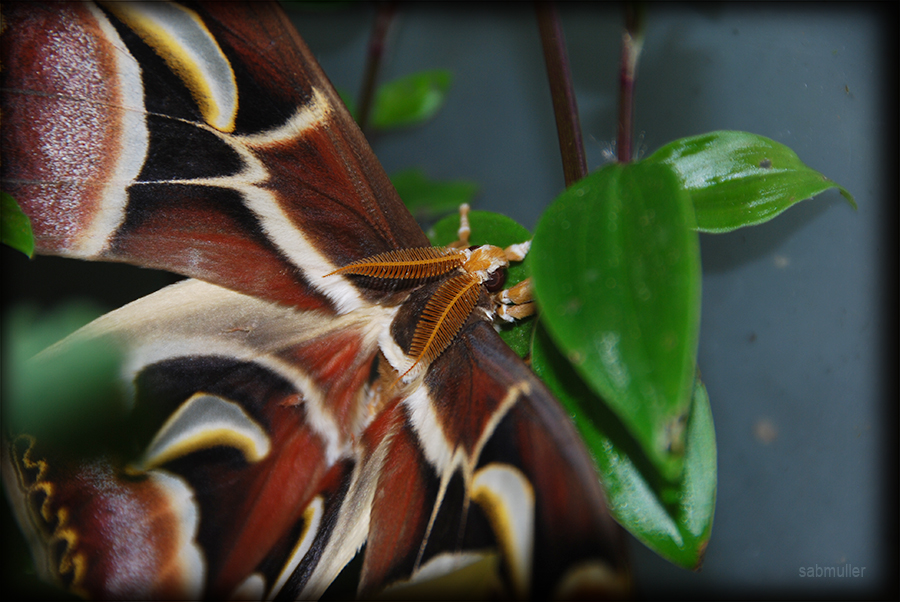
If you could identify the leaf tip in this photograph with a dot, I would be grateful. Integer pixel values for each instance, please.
(701, 556)
(16, 226)
(846, 194)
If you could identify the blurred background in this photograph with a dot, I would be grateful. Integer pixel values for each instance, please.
(798, 334)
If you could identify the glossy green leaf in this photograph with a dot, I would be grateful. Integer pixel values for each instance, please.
(15, 227)
(426, 198)
(740, 179)
(411, 99)
(673, 519)
(616, 269)
(490, 228)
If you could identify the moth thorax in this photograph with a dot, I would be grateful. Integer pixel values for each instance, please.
(488, 263)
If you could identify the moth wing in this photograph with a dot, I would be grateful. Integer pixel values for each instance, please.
(240, 418)
(481, 475)
(216, 149)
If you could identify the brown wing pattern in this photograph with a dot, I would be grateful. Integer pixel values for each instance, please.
(121, 164)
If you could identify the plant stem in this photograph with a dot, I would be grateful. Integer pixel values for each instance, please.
(632, 42)
(565, 107)
(383, 19)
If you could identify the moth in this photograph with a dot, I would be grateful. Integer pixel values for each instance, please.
(290, 406)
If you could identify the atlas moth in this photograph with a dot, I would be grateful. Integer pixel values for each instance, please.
(289, 412)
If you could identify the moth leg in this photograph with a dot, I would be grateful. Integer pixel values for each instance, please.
(510, 304)
(517, 252)
(516, 302)
(511, 313)
(462, 234)
(518, 294)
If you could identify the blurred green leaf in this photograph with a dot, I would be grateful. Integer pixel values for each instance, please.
(411, 99)
(15, 227)
(490, 228)
(673, 519)
(68, 393)
(28, 330)
(426, 198)
(616, 269)
(740, 179)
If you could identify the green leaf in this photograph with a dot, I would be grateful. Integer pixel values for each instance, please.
(69, 394)
(738, 179)
(426, 198)
(15, 227)
(490, 228)
(673, 519)
(616, 269)
(411, 99)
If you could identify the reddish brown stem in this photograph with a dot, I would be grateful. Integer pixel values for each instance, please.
(565, 108)
(383, 19)
(632, 40)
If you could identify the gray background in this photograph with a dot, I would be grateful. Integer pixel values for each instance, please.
(798, 313)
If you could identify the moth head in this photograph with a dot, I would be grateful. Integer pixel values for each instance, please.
(489, 263)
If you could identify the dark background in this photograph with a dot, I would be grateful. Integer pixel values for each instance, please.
(798, 335)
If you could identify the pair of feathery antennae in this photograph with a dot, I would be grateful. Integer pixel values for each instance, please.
(446, 310)
(455, 299)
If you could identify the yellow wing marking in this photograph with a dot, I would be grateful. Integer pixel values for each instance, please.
(181, 38)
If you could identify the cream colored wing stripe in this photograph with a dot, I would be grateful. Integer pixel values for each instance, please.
(507, 498)
(189, 49)
(205, 421)
(289, 239)
(188, 556)
(351, 525)
(181, 38)
(134, 142)
(440, 452)
(445, 457)
(252, 588)
(249, 183)
(312, 518)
